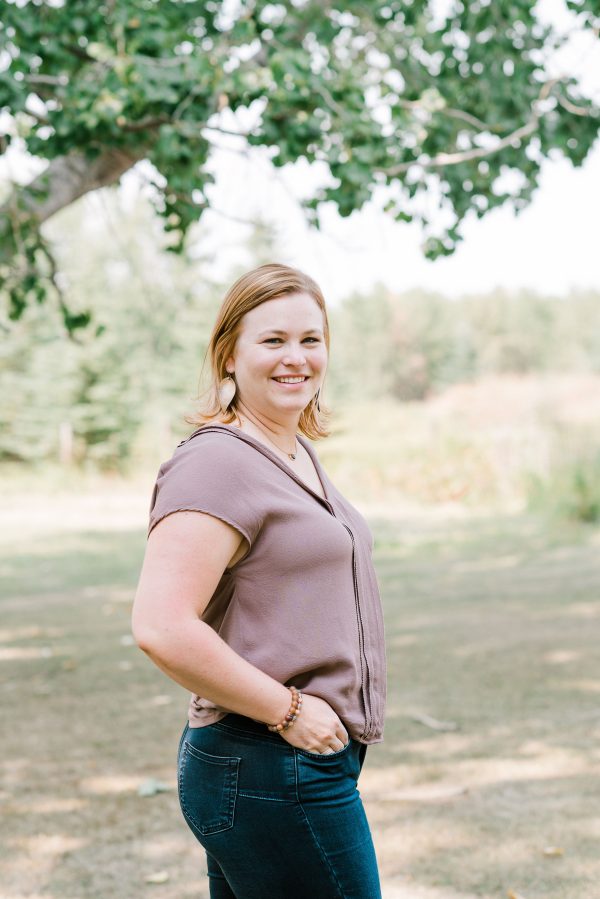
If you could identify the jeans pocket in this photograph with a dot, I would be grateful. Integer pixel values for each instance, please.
(325, 755)
(207, 789)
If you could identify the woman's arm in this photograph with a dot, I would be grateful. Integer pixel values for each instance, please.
(186, 555)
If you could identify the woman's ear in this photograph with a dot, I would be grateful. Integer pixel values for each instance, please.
(230, 366)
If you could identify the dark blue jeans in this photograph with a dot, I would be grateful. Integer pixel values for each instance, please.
(276, 822)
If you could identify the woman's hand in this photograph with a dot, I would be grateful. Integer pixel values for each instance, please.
(317, 728)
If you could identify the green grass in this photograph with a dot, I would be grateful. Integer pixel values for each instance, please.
(571, 491)
(492, 623)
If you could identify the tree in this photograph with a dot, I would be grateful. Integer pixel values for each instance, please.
(132, 377)
(386, 94)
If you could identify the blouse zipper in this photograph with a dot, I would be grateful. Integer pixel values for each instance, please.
(364, 673)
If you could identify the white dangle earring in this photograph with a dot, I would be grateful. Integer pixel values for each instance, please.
(226, 391)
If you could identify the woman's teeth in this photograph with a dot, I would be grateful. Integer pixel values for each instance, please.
(290, 380)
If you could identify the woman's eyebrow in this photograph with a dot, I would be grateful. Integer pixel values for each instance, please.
(284, 333)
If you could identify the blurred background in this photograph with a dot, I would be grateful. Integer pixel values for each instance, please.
(435, 167)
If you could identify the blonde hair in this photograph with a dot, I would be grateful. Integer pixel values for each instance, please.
(267, 282)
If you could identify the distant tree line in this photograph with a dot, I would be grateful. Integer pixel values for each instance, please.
(412, 344)
(109, 398)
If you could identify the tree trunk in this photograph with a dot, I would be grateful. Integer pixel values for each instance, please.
(64, 180)
(69, 177)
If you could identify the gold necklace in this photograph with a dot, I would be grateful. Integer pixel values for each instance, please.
(291, 456)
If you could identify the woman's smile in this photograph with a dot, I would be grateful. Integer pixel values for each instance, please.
(291, 381)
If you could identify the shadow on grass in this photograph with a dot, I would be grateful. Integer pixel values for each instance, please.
(72, 561)
(492, 626)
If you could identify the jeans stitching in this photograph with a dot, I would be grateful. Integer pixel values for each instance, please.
(314, 836)
(312, 833)
(296, 790)
(248, 794)
(182, 738)
(251, 736)
(208, 757)
(232, 778)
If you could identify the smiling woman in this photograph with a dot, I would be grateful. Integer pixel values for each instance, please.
(279, 361)
(275, 318)
(258, 595)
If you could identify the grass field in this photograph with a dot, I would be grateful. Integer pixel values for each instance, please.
(492, 627)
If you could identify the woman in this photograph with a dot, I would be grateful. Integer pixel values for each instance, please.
(258, 595)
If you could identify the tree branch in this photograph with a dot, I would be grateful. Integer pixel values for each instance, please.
(79, 52)
(52, 80)
(449, 111)
(571, 107)
(225, 131)
(69, 177)
(468, 118)
(444, 159)
(145, 124)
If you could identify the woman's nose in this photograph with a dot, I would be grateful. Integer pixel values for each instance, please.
(294, 356)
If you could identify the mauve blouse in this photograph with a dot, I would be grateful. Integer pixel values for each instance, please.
(302, 604)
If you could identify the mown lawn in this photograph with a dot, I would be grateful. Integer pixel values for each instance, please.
(492, 627)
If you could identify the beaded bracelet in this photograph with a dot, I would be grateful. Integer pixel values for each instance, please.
(294, 711)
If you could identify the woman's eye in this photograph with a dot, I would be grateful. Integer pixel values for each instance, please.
(279, 340)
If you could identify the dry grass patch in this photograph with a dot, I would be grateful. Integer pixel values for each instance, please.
(493, 630)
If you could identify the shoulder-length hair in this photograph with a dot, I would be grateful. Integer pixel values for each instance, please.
(267, 282)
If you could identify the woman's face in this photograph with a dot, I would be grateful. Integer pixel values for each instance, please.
(279, 340)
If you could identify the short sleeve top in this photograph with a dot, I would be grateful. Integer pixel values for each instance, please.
(302, 604)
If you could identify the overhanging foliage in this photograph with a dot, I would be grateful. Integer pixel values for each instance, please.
(384, 93)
